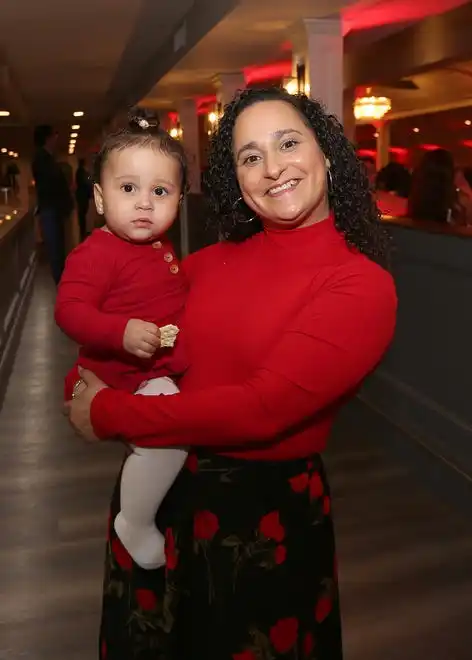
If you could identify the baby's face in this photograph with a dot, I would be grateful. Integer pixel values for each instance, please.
(139, 193)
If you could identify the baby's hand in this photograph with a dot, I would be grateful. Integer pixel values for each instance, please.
(141, 338)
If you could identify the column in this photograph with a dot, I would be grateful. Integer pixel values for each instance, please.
(349, 121)
(383, 144)
(189, 123)
(227, 84)
(318, 42)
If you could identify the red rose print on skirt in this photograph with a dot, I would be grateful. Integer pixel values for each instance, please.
(271, 527)
(205, 525)
(308, 645)
(171, 555)
(326, 505)
(316, 486)
(245, 655)
(146, 599)
(283, 635)
(323, 608)
(300, 483)
(121, 555)
(192, 463)
(280, 554)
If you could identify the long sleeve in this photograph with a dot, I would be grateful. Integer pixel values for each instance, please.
(337, 339)
(84, 285)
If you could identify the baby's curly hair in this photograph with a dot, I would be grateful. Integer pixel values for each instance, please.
(350, 197)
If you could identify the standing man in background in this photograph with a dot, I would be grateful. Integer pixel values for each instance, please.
(54, 198)
(83, 193)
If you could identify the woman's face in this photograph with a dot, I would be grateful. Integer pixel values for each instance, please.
(281, 169)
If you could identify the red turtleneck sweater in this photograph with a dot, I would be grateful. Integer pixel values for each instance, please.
(280, 330)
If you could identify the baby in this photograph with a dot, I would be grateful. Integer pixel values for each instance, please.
(121, 299)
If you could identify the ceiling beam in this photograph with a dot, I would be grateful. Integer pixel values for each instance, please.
(202, 16)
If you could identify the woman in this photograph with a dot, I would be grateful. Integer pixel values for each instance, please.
(433, 195)
(284, 320)
(392, 189)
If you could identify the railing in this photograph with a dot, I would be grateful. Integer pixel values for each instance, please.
(17, 264)
(424, 386)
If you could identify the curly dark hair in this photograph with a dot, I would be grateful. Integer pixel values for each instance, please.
(350, 197)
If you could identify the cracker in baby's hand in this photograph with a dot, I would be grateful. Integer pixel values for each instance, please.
(168, 335)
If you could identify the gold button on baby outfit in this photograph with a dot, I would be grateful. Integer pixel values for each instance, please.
(157, 245)
(168, 257)
(174, 269)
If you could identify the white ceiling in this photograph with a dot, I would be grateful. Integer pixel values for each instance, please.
(256, 30)
(57, 56)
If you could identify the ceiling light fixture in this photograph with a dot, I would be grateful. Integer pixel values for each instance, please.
(468, 122)
(75, 127)
(4, 113)
(368, 107)
(74, 135)
(10, 153)
(79, 113)
(4, 151)
(416, 130)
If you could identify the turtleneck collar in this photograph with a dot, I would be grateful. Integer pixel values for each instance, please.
(305, 237)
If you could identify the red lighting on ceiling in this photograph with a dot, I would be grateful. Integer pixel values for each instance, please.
(398, 151)
(255, 74)
(388, 12)
(467, 143)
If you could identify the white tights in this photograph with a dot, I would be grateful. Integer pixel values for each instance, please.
(147, 476)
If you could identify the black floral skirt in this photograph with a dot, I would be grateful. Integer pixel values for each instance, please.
(250, 574)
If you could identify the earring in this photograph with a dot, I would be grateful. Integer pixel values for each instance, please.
(329, 177)
(243, 222)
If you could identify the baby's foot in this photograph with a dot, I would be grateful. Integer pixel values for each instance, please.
(144, 544)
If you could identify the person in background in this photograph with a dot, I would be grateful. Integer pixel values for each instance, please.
(83, 192)
(370, 168)
(463, 181)
(433, 196)
(392, 186)
(12, 176)
(54, 198)
(285, 317)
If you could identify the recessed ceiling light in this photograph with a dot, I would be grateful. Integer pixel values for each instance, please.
(4, 151)
(72, 143)
(4, 113)
(75, 127)
(79, 113)
(468, 122)
(10, 153)
(376, 135)
(416, 130)
(74, 135)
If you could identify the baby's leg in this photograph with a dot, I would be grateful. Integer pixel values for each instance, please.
(147, 476)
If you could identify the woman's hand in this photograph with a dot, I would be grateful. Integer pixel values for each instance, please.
(78, 410)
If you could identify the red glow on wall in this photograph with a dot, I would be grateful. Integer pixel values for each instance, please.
(286, 47)
(467, 143)
(398, 151)
(366, 153)
(255, 74)
(429, 147)
(173, 116)
(361, 16)
(205, 100)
